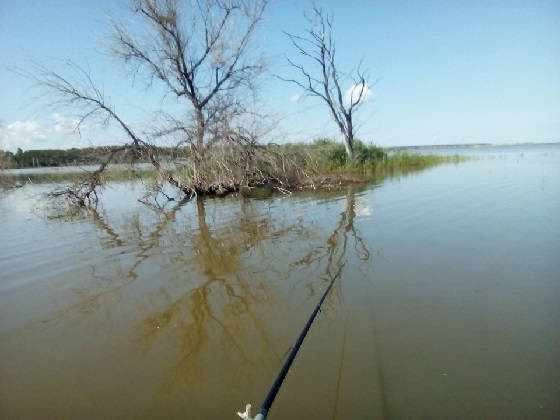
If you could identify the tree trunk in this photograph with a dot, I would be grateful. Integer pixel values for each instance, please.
(348, 137)
(199, 151)
(348, 140)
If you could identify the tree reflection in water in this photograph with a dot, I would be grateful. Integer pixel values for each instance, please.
(228, 288)
(220, 308)
(227, 307)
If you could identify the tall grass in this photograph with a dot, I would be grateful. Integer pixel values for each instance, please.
(405, 161)
(326, 155)
(10, 179)
(288, 165)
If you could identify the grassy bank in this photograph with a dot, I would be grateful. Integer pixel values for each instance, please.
(291, 166)
(15, 179)
(327, 159)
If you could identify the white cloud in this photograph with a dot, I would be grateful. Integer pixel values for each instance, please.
(63, 125)
(295, 98)
(31, 134)
(353, 94)
(28, 127)
(21, 134)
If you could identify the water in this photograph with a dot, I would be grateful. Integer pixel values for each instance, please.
(448, 304)
(46, 170)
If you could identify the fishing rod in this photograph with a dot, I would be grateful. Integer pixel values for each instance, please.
(265, 407)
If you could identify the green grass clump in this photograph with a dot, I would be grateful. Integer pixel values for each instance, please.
(330, 154)
(412, 161)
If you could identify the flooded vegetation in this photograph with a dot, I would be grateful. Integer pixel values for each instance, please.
(321, 163)
(447, 306)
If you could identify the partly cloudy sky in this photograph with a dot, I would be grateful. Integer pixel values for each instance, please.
(23, 134)
(63, 125)
(57, 131)
(450, 72)
(353, 92)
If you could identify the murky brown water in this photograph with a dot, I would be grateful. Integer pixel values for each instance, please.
(448, 304)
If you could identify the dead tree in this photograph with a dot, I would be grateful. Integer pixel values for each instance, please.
(199, 51)
(321, 78)
(200, 56)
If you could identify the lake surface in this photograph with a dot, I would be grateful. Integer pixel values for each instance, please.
(448, 305)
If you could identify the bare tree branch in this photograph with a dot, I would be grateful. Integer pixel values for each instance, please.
(200, 54)
(318, 48)
(207, 68)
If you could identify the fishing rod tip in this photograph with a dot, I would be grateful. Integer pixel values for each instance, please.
(247, 414)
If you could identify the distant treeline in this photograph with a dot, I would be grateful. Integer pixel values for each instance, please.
(70, 157)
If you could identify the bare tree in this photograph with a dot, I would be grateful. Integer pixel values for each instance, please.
(201, 57)
(198, 50)
(321, 78)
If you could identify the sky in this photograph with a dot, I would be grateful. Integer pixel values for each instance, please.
(441, 72)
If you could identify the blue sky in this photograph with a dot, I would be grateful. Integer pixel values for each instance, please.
(449, 71)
